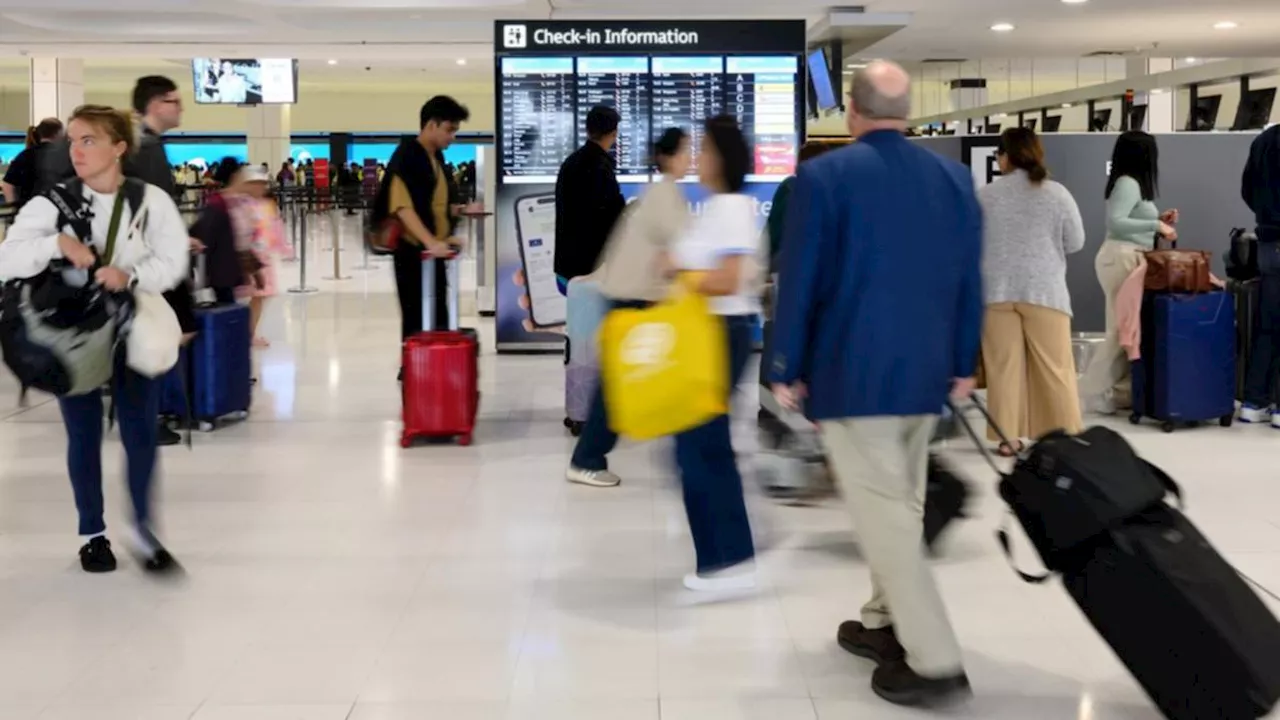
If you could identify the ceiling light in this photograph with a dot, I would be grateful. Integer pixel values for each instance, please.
(1225, 25)
(1191, 60)
(1157, 91)
(333, 62)
(1075, 2)
(856, 66)
(1066, 105)
(1002, 27)
(462, 61)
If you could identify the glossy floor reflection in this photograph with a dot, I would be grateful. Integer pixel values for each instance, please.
(333, 575)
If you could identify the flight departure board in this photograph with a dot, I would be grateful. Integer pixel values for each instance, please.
(539, 128)
(545, 100)
(621, 83)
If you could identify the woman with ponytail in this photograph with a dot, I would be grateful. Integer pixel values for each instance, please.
(1031, 224)
(23, 176)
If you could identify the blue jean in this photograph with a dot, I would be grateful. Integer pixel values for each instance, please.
(137, 404)
(597, 440)
(709, 474)
(1264, 356)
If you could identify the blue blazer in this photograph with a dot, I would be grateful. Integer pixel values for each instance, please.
(880, 288)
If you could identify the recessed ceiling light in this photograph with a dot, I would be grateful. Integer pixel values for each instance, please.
(333, 62)
(1225, 25)
(462, 61)
(1191, 60)
(1075, 2)
(1066, 105)
(856, 66)
(1157, 91)
(1002, 27)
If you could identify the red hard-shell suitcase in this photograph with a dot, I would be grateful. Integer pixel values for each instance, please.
(441, 392)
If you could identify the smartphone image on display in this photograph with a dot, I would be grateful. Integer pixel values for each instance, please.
(536, 233)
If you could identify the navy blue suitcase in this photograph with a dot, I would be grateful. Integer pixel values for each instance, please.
(221, 364)
(1187, 372)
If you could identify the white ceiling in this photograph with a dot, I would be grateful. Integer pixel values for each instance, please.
(430, 35)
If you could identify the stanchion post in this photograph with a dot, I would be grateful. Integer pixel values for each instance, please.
(302, 287)
(335, 221)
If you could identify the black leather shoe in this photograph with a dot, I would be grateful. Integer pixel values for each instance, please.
(96, 556)
(897, 683)
(879, 646)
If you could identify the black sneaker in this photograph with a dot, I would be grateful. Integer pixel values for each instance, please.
(152, 555)
(166, 436)
(96, 556)
(879, 646)
(900, 685)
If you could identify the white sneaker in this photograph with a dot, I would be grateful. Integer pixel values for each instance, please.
(594, 478)
(732, 579)
(1275, 420)
(1252, 414)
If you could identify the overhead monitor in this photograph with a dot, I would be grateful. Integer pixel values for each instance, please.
(820, 77)
(245, 81)
(1254, 111)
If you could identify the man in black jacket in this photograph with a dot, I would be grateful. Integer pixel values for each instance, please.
(588, 198)
(158, 105)
(1261, 191)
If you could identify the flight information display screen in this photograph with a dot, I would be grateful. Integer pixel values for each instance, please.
(539, 128)
(621, 83)
(544, 103)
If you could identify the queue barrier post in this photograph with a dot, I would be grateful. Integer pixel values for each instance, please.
(302, 288)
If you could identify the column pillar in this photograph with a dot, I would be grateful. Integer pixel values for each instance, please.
(57, 88)
(268, 131)
(1160, 106)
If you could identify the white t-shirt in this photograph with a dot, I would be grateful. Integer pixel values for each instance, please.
(725, 227)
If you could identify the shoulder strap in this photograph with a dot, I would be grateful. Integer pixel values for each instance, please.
(70, 204)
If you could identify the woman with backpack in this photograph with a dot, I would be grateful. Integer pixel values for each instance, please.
(134, 241)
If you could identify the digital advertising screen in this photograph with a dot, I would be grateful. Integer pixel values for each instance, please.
(657, 75)
(245, 81)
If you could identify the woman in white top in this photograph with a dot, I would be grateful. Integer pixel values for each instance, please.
(635, 273)
(148, 256)
(722, 243)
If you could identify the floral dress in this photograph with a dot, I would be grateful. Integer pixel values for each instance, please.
(260, 230)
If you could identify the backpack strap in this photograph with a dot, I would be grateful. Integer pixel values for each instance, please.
(69, 201)
(135, 194)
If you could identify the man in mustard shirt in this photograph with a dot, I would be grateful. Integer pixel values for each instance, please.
(418, 195)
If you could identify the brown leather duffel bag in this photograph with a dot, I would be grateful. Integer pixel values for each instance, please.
(1177, 271)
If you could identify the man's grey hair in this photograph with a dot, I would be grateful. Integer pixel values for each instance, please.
(871, 102)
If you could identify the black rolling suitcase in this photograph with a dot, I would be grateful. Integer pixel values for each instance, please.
(1187, 626)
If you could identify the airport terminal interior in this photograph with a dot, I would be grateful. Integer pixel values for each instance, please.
(329, 573)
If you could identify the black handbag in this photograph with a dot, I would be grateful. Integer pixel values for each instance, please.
(1241, 257)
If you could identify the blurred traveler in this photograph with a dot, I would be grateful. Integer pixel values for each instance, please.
(722, 243)
(285, 178)
(1032, 224)
(1133, 222)
(22, 181)
(879, 316)
(635, 274)
(259, 232)
(417, 192)
(778, 210)
(588, 198)
(150, 256)
(1261, 191)
(215, 229)
(158, 106)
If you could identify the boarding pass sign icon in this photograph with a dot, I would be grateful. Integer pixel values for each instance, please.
(515, 37)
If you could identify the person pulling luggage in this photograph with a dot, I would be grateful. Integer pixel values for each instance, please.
(1261, 191)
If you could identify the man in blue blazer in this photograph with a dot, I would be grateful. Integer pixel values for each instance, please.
(878, 318)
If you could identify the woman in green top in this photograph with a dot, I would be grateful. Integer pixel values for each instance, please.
(1133, 222)
(778, 208)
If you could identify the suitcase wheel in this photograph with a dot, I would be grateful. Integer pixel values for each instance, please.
(464, 440)
(1135, 419)
(575, 427)
(204, 426)
(1226, 420)
(1168, 426)
(406, 441)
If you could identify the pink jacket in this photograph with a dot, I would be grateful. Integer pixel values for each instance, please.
(1129, 311)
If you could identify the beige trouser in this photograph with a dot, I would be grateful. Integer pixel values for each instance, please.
(1031, 371)
(1109, 367)
(880, 464)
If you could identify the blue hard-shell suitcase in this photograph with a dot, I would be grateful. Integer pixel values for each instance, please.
(1187, 372)
(221, 364)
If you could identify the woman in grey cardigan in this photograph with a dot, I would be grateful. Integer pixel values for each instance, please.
(1032, 224)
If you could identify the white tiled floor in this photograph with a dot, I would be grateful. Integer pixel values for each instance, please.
(333, 575)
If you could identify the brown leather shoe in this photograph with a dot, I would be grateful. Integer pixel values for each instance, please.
(897, 683)
(879, 646)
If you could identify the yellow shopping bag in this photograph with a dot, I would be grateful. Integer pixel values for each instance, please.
(665, 368)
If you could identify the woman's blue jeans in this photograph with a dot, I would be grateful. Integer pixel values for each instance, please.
(709, 476)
